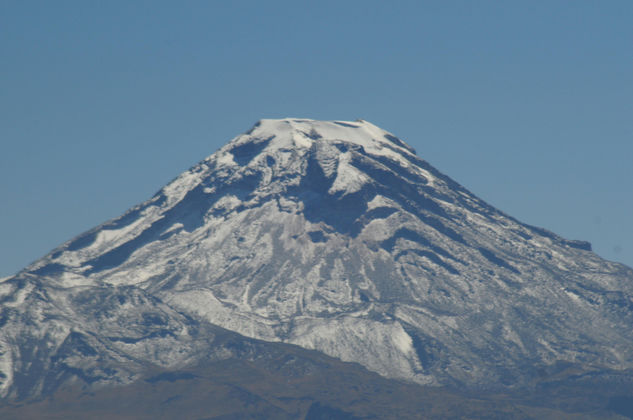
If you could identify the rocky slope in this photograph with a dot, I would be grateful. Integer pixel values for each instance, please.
(334, 236)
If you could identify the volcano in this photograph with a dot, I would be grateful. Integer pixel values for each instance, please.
(333, 236)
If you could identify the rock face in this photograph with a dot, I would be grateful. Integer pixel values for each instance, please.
(334, 236)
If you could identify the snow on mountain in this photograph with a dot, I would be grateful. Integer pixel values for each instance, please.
(334, 236)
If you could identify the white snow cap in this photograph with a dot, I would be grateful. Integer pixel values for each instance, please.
(302, 133)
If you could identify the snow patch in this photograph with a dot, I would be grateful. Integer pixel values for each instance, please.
(187, 181)
(19, 296)
(574, 297)
(291, 133)
(227, 203)
(348, 178)
(383, 348)
(402, 340)
(203, 303)
(225, 159)
(6, 288)
(380, 201)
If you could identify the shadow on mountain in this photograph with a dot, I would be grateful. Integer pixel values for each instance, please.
(244, 153)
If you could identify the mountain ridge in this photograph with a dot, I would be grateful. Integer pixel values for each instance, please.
(334, 236)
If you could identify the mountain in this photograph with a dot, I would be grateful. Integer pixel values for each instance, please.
(333, 236)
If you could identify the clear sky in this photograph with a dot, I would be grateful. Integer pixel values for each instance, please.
(527, 104)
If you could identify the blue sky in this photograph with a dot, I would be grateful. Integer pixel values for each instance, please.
(527, 104)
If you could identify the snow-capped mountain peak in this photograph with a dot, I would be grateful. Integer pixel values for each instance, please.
(337, 237)
(291, 133)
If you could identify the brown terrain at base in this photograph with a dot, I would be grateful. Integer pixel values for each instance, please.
(291, 383)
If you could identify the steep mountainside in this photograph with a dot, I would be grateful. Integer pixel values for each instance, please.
(334, 236)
